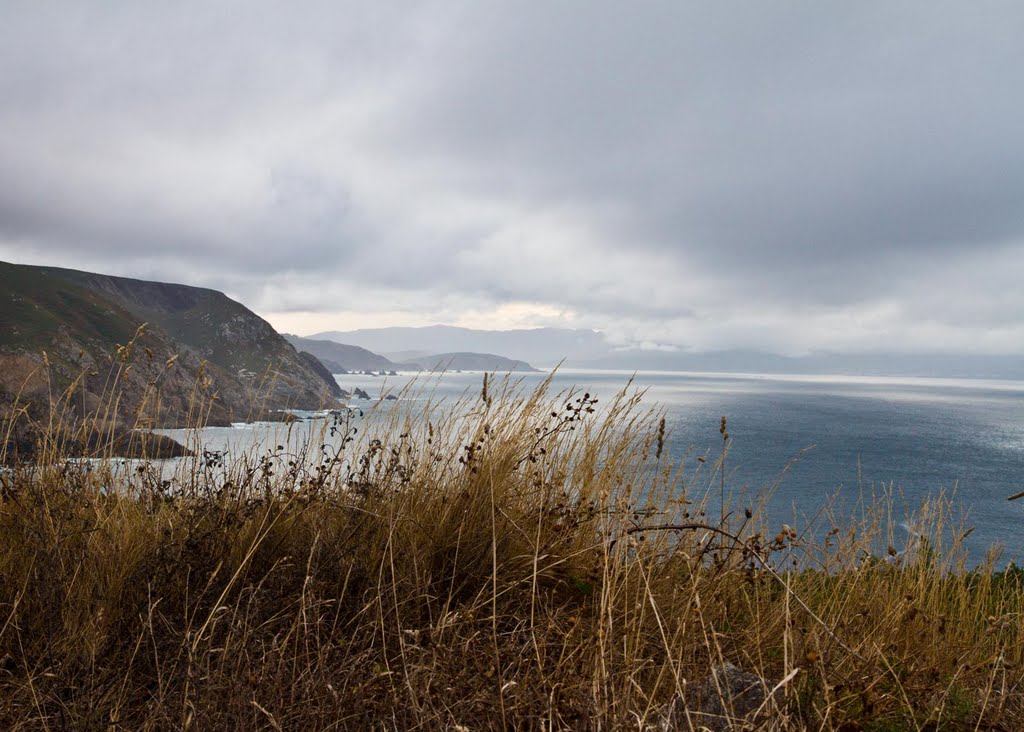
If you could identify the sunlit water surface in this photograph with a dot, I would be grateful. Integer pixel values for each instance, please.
(836, 437)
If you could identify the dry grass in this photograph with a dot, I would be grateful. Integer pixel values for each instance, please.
(523, 561)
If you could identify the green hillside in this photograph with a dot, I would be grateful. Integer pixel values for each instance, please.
(80, 319)
(38, 303)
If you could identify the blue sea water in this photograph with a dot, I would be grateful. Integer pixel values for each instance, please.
(849, 436)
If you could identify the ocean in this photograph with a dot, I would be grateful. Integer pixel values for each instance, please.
(806, 441)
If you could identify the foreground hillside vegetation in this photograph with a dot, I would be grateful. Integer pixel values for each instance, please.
(520, 561)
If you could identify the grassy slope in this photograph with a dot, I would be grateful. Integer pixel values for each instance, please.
(68, 313)
(222, 330)
(503, 566)
(80, 331)
(37, 304)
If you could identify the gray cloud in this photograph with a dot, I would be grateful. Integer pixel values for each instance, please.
(785, 177)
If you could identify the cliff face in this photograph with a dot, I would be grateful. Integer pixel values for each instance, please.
(201, 354)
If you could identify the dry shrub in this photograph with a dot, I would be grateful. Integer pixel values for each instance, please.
(519, 560)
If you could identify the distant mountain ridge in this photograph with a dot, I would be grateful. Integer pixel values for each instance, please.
(591, 349)
(341, 357)
(536, 346)
(467, 362)
(79, 318)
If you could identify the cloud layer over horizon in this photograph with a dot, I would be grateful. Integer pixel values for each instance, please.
(789, 178)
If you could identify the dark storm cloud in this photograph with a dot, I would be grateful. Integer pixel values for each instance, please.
(790, 176)
(756, 136)
(140, 131)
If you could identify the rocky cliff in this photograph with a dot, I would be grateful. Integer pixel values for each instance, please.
(200, 356)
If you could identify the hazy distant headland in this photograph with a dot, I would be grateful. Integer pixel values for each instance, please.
(578, 348)
(342, 358)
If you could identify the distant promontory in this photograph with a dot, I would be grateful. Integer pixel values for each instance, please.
(344, 358)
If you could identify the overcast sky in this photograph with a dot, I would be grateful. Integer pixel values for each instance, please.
(785, 176)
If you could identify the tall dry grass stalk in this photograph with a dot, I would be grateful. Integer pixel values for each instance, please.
(520, 560)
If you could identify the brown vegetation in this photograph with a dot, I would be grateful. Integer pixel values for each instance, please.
(518, 561)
